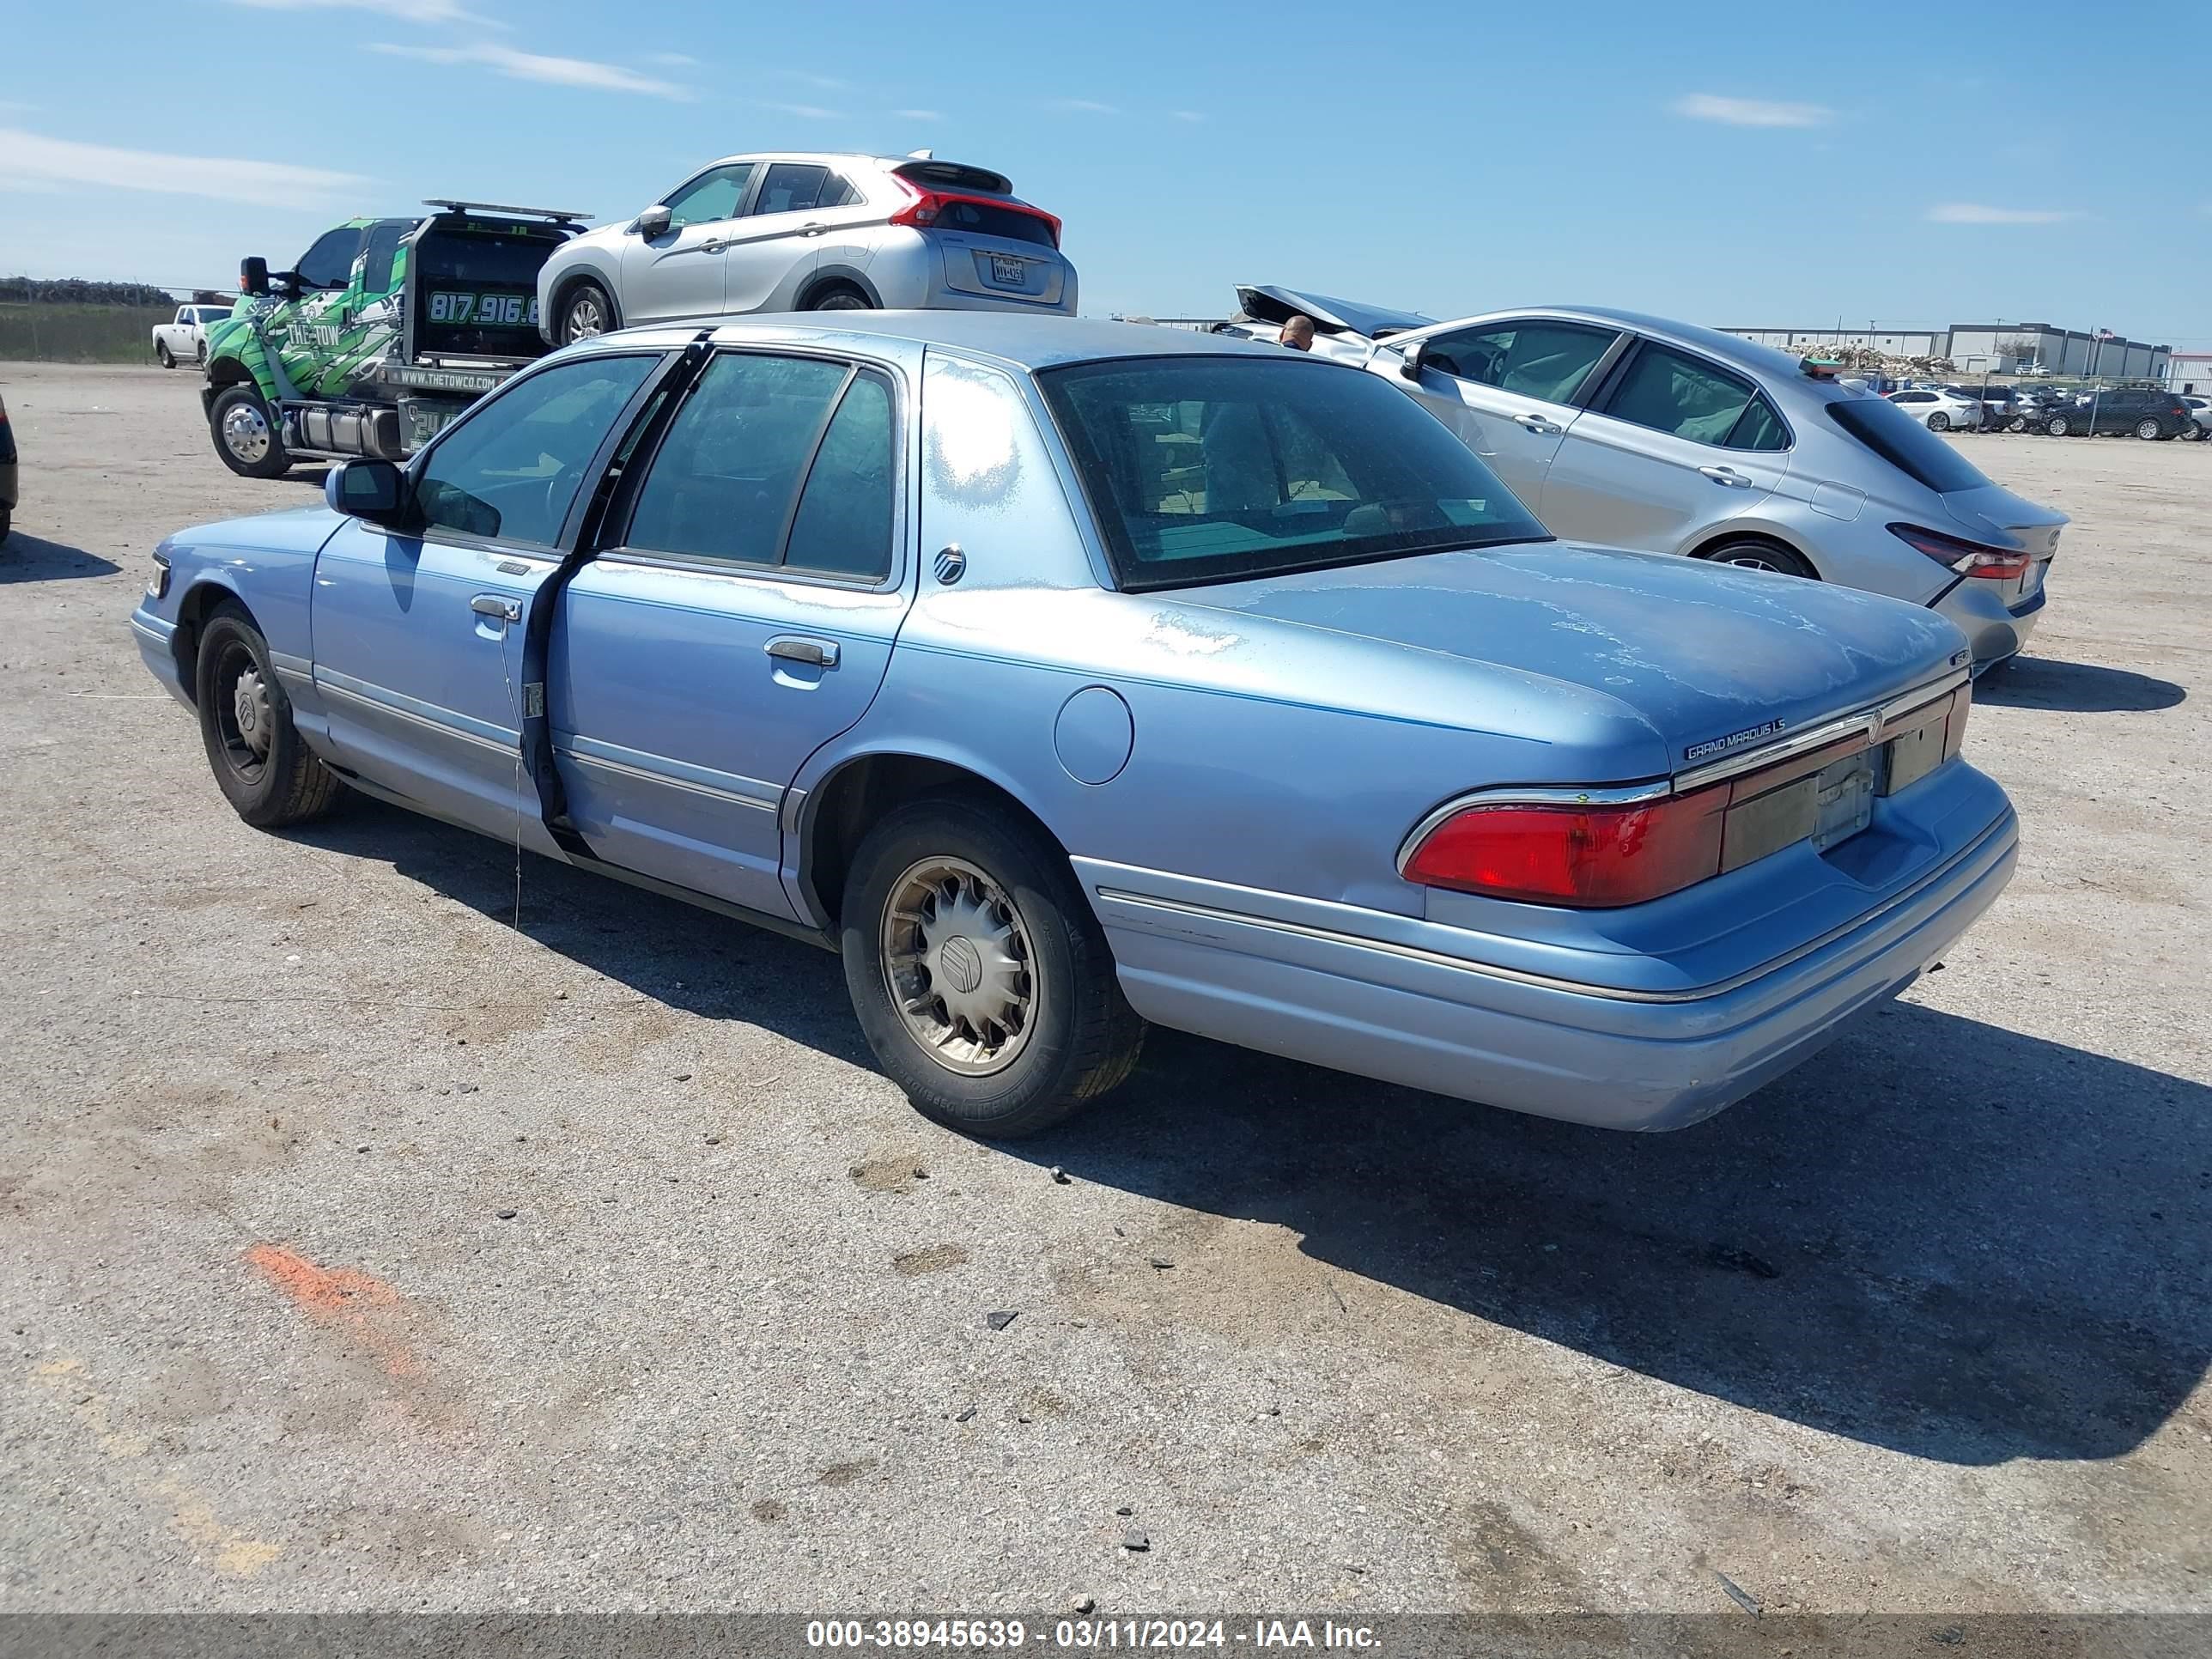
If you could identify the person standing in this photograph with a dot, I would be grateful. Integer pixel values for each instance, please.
(1297, 332)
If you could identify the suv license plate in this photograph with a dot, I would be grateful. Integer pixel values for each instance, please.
(1008, 271)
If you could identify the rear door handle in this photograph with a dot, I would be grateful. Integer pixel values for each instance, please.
(811, 230)
(497, 604)
(795, 648)
(1537, 424)
(1726, 475)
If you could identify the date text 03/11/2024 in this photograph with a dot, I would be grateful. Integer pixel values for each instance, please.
(1091, 1634)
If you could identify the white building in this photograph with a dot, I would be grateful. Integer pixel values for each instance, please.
(2190, 372)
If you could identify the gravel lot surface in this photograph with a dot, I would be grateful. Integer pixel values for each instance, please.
(368, 1243)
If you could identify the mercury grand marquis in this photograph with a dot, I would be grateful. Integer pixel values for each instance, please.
(1066, 676)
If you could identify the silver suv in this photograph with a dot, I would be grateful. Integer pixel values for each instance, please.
(1635, 431)
(799, 232)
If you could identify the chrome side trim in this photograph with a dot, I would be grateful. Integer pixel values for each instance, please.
(753, 792)
(431, 715)
(569, 751)
(285, 663)
(1542, 982)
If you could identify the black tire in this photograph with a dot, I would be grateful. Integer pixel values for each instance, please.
(1749, 553)
(7, 522)
(2018, 423)
(2150, 430)
(586, 311)
(269, 786)
(1080, 1037)
(200, 358)
(2056, 427)
(245, 434)
(839, 297)
(162, 355)
(1938, 422)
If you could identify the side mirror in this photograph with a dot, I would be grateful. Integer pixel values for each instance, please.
(654, 222)
(363, 489)
(1409, 359)
(253, 277)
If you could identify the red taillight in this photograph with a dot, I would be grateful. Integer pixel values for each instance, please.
(1964, 558)
(1587, 856)
(928, 206)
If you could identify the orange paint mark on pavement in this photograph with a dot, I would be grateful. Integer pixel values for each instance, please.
(359, 1305)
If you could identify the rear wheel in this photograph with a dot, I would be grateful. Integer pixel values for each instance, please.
(2149, 430)
(260, 763)
(981, 978)
(1938, 422)
(586, 314)
(162, 355)
(840, 298)
(1748, 553)
(245, 435)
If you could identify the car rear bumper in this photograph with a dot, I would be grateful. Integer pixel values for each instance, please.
(1994, 629)
(1415, 1009)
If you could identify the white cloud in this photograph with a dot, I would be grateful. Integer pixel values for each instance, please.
(536, 66)
(919, 114)
(806, 112)
(1973, 213)
(1187, 115)
(407, 11)
(40, 162)
(1083, 106)
(1751, 112)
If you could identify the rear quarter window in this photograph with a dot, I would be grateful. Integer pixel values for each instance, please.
(1894, 435)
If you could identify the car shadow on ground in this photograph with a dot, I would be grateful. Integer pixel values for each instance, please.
(2074, 688)
(26, 558)
(1938, 1236)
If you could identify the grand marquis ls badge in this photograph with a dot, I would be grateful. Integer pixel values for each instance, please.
(1733, 740)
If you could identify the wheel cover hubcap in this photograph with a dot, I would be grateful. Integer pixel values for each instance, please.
(245, 433)
(959, 966)
(244, 718)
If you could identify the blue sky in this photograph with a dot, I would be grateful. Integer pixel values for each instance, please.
(1724, 163)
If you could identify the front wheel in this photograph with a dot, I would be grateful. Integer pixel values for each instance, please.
(245, 435)
(261, 764)
(163, 356)
(2057, 426)
(587, 313)
(981, 978)
(2019, 423)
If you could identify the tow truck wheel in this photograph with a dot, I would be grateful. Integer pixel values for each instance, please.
(245, 434)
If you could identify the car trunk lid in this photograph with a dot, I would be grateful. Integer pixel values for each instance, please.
(1993, 515)
(1715, 661)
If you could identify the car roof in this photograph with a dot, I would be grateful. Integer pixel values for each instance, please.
(1023, 342)
(1743, 353)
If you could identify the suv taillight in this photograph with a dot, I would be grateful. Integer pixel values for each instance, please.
(928, 206)
(1964, 558)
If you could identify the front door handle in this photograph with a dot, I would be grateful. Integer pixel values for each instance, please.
(711, 247)
(1537, 424)
(1726, 475)
(497, 604)
(795, 647)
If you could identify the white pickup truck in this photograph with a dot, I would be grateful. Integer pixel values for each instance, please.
(185, 340)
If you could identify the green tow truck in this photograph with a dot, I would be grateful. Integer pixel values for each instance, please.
(387, 330)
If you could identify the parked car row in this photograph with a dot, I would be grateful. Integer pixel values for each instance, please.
(2146, 412)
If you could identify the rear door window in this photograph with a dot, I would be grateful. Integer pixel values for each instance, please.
(1542, 360)
(1686, 397)
(792, 187)
(774, 460)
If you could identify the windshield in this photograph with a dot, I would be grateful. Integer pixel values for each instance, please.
(1213, 469)
(1905, 444)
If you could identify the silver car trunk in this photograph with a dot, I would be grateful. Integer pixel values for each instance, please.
(999, 267)
(1995, 515)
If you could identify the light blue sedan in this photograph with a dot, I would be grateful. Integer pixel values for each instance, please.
(1066, 676)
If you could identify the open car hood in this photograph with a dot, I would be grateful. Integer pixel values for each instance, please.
(1264, 303)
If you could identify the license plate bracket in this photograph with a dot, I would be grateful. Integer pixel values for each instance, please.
(1844, 799)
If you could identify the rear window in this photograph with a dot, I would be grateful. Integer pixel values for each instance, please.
(1905, 444)
(989, 219)
(1214, 469)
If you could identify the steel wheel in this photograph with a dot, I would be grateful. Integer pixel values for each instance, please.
(245, 432)
(958, 963)
(244, 719)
